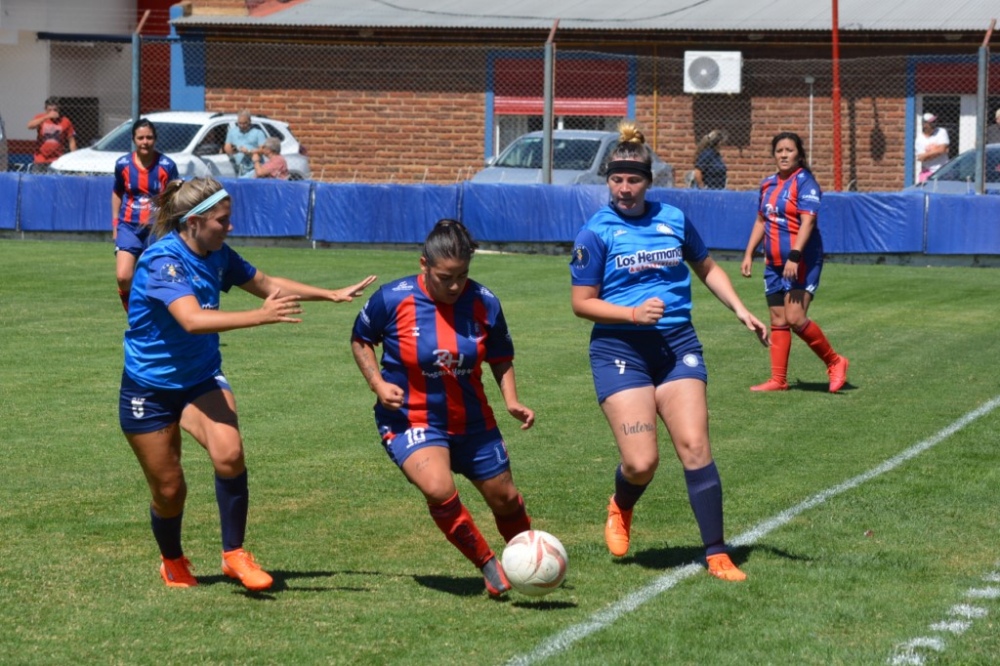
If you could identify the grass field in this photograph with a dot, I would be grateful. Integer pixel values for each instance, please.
(897, 566)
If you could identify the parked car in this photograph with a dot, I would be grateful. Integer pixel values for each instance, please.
(3, 147)
(578, 158)
(193, 139)
(958, 176)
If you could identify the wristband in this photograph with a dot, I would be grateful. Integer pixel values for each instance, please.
(795, 255)
(634, 322)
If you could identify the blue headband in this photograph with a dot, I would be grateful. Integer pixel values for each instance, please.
(206, 204)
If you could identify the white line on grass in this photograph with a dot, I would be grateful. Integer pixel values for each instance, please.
(566, 638)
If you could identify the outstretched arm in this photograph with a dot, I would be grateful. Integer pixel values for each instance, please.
(712, 275)
(193, 319)
(262, 284)
(504, 374)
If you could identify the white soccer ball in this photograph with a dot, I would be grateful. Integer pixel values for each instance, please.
(535, 563)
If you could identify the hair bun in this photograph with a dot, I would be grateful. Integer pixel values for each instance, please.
(628, 132)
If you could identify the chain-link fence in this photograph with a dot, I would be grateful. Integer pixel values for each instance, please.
(436, 114)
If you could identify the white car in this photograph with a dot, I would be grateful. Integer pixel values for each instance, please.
(192, 139)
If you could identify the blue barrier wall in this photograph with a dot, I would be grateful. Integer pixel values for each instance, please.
(348, 213)
(851, 223)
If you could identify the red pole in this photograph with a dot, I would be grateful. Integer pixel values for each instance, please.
(838, 175)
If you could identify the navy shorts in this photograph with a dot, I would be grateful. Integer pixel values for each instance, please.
(132, 238)
(807, 279)
(478, 456)
(625, 359)
(142, 409)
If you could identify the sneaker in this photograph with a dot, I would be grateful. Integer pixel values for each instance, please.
(240, 564)
(838, 373)
(720, 566)
(617, 529)
(494, 577)
(770, 385)
(177, 573)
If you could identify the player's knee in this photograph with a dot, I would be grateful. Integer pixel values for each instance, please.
(640, 470)
(169, 496)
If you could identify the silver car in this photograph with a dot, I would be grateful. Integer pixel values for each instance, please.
(192, 139)
(578, 158)
(959, 175)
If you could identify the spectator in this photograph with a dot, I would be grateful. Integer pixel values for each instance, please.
(55, 133)
(268, 162)
(709, 168)
(993, 131)
(242, 140)
(931, 146)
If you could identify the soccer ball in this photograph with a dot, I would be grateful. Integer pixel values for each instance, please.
(535, 563)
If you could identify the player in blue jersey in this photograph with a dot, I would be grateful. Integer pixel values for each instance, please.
(630, 277)
(139, 179)
(436, 330)
(173, 377)
(786, 222)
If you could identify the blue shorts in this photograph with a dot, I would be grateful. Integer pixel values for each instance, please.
(807, 278)
(142, 409)
(624, 359)
(132, 238)
(477, 456)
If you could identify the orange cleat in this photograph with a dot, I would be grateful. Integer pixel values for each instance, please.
(494, 578)
(618, 529)
(770, 385)
(239, 564)
(720, 566)
(177, 573)
(838, 373)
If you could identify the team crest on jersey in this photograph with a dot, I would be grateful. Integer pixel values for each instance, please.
(664, 229)
(581, 257)
(171, 273)
(475, 331)
(404, 285)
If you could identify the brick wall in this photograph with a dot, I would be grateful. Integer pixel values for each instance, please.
(418, 114)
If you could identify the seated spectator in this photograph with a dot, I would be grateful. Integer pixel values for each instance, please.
(242, 139)
(268, 162)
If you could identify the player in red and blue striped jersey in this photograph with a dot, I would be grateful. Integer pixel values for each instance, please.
(793, 261)
(139, 178)
(436, 330)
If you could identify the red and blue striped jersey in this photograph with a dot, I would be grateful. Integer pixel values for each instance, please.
(781, 204)
(435, 352)
(138, 186)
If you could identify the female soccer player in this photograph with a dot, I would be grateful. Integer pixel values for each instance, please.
(629, 277)
(793, 260)
(139, 178)
(436, 329)
(173, 376)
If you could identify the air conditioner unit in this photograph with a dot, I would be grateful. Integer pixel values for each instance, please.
(713, 71)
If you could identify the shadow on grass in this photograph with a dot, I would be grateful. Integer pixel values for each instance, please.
(473, 587)
(281, 579)
(669, 558)
(817, 387)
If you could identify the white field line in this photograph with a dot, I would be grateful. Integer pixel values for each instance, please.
(565, 639)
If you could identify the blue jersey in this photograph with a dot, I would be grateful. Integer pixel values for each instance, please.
(781, 204)
(635, 259)
(159, 353)
(435, 351)
(138, 186)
